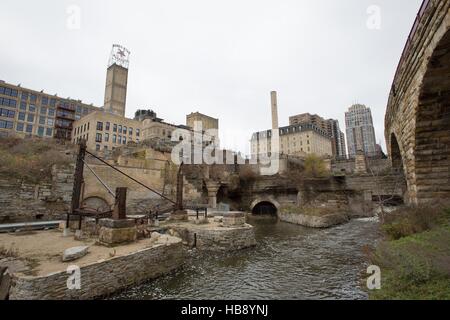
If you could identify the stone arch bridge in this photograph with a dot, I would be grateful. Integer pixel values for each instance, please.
(417, 121)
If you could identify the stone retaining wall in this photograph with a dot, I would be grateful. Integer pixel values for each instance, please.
(217, 238)
(314, 221)
(104, 277)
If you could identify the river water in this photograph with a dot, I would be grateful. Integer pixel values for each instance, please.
(289, 262)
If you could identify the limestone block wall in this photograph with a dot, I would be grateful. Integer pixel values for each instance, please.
(218, 238)
(102, 278)
(22, 202)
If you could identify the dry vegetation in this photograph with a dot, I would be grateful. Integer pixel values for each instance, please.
(32, 159)
(415, 257)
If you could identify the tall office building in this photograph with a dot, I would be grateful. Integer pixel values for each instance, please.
(330, 126)
(360, 131)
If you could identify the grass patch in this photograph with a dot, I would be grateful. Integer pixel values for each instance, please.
(415, 257)
(31, 159)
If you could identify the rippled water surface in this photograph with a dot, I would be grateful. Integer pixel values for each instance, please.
(289, 262)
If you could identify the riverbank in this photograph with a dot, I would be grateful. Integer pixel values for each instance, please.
(415, 256)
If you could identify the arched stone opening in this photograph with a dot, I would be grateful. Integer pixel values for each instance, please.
(396, 156)
(432, 134)
(265, 208)
(96, 203)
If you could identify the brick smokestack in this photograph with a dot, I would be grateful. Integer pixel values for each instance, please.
(273, 95)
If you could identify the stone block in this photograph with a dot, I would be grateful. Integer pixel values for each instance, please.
(75, 253)
(233, 219)
(117, 224)
(117, 236)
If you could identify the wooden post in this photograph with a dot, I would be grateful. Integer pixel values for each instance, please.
(78, 180)
(179, 204)
(120, 207)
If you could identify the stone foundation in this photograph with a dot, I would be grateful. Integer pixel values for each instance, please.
(311, 221)
(214, 237)
(104, 277)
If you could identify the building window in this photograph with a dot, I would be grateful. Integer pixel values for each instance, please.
(106, 137)
(130, 131)
(51, 112)
(85, 111)
(41, 131)
(19, 127)
(23, 106)
(33, 98)
(84, 128)
(105, 148)
(98, 137)
(107, 126)
(6, 124)
(97, 147)
(44, 101)
(120, 140)
(29, 128)
(88, 125)
(79, 109)
(7, 113)
(100, 126)
(138, 132)
(124, 140)
(114, 139)
(21, 116)
(43, 110)
(115, 128)
(30, 118)
(124, 130)
(41, 120)
(49, 132)
(24, 96)
(50, 122)
(32, 108)
(120, 128)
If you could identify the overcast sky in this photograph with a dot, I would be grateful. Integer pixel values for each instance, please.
(221, 58)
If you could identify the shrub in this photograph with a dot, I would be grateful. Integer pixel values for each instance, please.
(408, 221)
(315, 167)
(31, 159)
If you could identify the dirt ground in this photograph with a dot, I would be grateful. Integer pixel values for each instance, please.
(43, 250)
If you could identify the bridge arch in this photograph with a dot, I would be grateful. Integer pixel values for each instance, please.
(395, 153)
(418, 108)
(432, 132)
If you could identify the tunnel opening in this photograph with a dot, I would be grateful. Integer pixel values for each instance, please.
(265, 208)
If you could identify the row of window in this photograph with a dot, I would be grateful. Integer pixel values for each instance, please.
(117, 128)
(6, 124)
(7, 113)
(8, 102)
(8, 91)
(115, 138)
